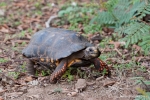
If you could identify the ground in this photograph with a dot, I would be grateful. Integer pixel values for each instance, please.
(19, 20)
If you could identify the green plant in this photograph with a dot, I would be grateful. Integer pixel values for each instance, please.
(144, 95)
(1, 71)
(68, 75)
(2, 60)
(3, 4)
(42, 72)
(78, 16)
(81, 74)
(23, 67)
(127, 18)
(15, 75)
(145, 44)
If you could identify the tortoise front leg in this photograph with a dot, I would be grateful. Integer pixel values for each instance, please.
(101, 65)
(59, 71)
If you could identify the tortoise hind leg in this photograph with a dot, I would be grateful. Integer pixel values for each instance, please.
(30, 68)
(59, 71)
(101, 65)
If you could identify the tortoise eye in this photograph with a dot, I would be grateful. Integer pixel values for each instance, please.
(90, 49)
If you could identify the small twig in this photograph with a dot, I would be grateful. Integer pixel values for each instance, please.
(3, 91)
(148, 88)
(118, 51)
(48, 22)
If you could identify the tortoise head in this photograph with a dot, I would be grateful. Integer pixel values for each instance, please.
(91, 52)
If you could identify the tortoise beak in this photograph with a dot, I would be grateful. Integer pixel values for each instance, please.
(91, 52)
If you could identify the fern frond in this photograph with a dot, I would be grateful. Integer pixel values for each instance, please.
(110, 4)
(135, 31)
(142, 11)
(104, 18)
(145, 44)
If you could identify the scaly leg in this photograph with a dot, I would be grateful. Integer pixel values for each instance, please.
(59, 71)
(101, 65)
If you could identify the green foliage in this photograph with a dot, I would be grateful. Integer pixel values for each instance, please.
(3, 60)
(15, 75)
(3, 4)
(145, 44)
(135, 32)
(144, 95)
(68, 75)
(43, 73)
(76, 15)
(127, 18)
(110, 4)
(23, 67)
(81, 74)
(104, 18)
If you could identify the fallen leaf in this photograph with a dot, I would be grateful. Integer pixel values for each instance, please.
(28, 79)
(108, 30)
(72, 94)
(117, 44)
(4, 30)
(108, 83)
(136, 47)
(1, 98)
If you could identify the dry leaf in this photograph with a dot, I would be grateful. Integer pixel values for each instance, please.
(136, 47)
(72, 94)
(117, 44)
(4, 30)
(1, 98)
(28, 79)
(108, 83)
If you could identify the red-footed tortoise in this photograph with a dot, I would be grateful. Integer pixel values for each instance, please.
(61, 48)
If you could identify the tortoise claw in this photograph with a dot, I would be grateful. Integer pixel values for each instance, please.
(101, 65)
(53, 81)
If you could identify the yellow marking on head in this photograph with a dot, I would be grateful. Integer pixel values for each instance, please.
(47, 60)
(42, 59)
(52, 61)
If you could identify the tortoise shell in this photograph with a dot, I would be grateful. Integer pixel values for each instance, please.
(55, 43)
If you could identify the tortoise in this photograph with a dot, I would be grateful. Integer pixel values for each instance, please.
(61, 48)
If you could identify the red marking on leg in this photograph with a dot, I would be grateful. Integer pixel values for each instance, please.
(56, 75)
(102, 65)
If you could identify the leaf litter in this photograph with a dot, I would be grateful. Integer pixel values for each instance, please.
(16, 30)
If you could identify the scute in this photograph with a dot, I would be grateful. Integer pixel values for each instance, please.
(55, 43)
